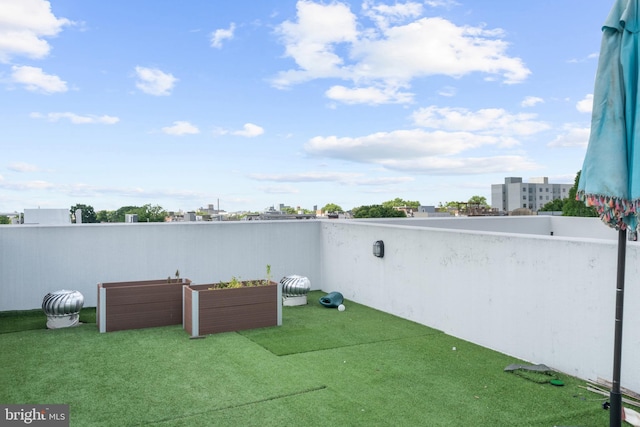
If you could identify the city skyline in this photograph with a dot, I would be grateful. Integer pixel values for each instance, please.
(296, 102)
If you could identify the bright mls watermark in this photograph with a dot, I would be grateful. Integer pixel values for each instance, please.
(34, 415)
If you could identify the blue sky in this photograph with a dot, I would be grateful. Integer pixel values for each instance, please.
(254, 103)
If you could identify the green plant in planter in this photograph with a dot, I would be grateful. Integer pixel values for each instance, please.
(177, 277)
(268, 274)
(234, 283)
(231, 284)
(237, 283)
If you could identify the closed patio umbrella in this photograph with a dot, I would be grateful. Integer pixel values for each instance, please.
(610, 177)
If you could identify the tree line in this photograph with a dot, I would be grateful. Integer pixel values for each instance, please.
(154, 213)
(146, 213)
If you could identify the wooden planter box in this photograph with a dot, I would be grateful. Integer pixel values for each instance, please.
(139, 304)
(209, 311)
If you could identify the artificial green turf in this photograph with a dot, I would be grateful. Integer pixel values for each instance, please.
(16, 321)
(314, 327)
(160, 377)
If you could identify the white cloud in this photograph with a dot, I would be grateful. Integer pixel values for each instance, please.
(405, 144)
(77, 119)
(461, 165)
(27, 185)
(37, 185)
(441, 3)
(249, 130)
(384, 181)
(328, 41)
(585, 105)
(335, 177)
(310, 41)
(384, 15)
(23, 167)
(219, 35)
(572, 136)
(181, 128)
(531, 101)
(589, 57)
(24, 24)
(279, 189)
(36, 80)
(307, 177)
(435, 46)
(368, 95)
(492, 121)
(451, 146)
(153, 81)
(448, 91)
(86, 190)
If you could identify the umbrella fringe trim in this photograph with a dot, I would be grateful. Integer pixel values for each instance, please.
(612, 210)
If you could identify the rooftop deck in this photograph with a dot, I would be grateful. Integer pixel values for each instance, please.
(506, 284)
(360, 367)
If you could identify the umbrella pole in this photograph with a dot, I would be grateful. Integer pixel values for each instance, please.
(615, 415)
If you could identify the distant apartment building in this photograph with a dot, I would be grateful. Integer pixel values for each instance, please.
(536, 193)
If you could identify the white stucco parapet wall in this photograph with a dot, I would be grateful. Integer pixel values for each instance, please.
(541, 298)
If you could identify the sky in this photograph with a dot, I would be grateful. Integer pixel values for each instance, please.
(247, 104)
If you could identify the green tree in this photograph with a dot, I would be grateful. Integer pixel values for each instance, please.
(573, 207)
(398, 202)
(119, 214)
(332, 207)
(478, 200)
(5, 220)
(106, 216)
(447, 206)
(154, 213)
(88, 214)
(555, 205)
(146, 213)
(377, 211)
(149, 213)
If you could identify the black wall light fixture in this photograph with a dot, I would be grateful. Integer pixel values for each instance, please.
(378, 248)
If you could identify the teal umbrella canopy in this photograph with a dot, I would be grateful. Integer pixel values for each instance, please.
(610, 177)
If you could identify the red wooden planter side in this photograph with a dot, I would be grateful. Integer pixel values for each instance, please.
(226, 310)
(144, 282)
(143, 304)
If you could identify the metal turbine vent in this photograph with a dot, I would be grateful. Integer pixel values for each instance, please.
(294, 285)
(62, 308)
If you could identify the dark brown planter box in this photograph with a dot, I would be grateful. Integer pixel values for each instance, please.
(209, 311)
(139, 304)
